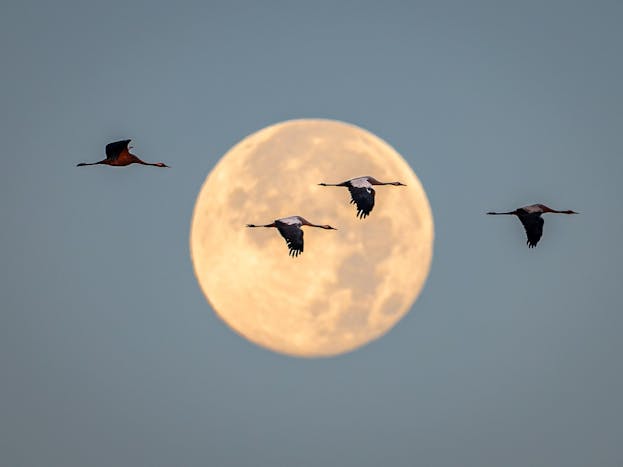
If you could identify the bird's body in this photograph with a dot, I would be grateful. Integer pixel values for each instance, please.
(361, 192)
(118, 155)
(290, 229)
(530, 217)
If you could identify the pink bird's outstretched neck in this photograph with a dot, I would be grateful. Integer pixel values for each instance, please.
(155, 164)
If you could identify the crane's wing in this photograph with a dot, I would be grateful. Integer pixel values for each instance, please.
(293, 234)
(533, 225)
(114, 150)
(363, 198)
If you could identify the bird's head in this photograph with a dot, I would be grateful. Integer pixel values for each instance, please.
(328, 227)
(398, 184)
(569, 211)
(161, 164)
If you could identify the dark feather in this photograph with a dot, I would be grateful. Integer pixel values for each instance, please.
(363, 198)
(533, 225)
(293, 235)
(113, 150)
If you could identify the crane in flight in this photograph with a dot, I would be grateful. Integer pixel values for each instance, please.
(530, 217)
(118, 155)
(290, 229)
(361, 192)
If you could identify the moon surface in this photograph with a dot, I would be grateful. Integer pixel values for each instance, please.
(349, 286)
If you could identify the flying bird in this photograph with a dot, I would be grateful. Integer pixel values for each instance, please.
(530, 217)
(118, 155)
(361, 192)
(290, 229)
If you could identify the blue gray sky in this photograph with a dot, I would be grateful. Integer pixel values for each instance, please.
(109, 353)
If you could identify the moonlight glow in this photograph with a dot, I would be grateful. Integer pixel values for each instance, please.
(350, 286)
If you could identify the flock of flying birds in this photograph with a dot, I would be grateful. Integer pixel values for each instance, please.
(362, 196)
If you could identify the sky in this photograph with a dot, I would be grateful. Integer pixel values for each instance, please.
(109, 353)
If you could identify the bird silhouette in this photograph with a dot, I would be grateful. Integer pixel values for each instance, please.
(530, 217)
(290, 229)
(361, 192)
(118, 155)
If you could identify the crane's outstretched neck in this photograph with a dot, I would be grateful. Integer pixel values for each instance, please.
(568, 211)
(374, 181)
(306, 222)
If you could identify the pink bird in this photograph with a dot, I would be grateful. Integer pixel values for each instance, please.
(118, 155)
(530, 217)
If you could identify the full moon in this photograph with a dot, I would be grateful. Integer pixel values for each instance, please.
(349, 286)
